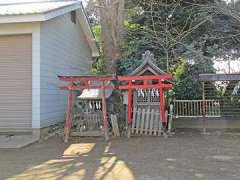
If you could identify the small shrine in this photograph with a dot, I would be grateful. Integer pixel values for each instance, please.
(88, 112)
(146, 106)
(145, 96)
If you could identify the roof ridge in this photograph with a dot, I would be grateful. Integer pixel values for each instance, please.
(148, 58)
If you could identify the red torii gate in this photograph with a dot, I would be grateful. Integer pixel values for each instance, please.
(129, 86)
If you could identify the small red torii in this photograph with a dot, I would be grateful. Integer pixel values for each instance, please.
(129, 86)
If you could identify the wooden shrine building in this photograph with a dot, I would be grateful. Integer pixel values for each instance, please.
(147, 110)
(144, 97)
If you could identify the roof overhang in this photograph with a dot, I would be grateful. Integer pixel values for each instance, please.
(44, 16)
(219, 77)
(35, 17)
(88, 31)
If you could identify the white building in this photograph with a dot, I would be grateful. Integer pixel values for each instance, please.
(38, 41)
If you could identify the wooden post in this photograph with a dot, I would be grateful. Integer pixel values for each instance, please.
(204, 108)
(162, 108)
(129, 109)
(104, 108)
(170, 118)
(68, 116)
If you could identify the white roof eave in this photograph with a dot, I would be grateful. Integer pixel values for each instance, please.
(36, 17)
(39, 17)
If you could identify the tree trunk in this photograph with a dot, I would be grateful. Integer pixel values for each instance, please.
(111, 15)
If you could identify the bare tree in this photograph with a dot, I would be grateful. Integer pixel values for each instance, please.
(168, 35)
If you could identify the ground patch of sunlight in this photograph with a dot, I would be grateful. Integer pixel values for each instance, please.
(66, 167)
(53, 169)
(111, 168)
(79, 149)
(74, 164)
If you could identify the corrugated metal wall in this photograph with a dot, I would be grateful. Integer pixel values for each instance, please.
(15, 81)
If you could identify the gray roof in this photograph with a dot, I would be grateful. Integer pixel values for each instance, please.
(147, 64)
(25, 7)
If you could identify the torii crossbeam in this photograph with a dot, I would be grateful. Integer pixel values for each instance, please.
(123, 82)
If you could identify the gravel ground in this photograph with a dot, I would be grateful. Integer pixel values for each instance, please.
(185, 156)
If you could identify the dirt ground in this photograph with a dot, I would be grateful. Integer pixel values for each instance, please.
(186, 156)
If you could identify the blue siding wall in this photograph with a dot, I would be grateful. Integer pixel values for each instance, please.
(64, 51)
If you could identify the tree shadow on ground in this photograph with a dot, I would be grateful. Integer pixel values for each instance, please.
(186, 156)
(82, 158)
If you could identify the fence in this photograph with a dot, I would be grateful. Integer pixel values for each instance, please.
(219, 98)
(197, 108)
(88, 123)
(146, 122)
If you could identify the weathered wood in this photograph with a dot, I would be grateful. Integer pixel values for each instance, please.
(90, 115)
(138, 121)
(151, 122)
(134, 119)
(156, 122)
(96, 121)
(170, 118)
(142, 121)
(115, 125)
(160, 125)
(88, 121)
(147, 121)
(100, 119)
(94, 133)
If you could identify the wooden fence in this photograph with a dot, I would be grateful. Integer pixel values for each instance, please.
(88, 123)
(195, 108)
(146, 122)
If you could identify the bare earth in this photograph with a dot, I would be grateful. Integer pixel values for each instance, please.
(186, 156)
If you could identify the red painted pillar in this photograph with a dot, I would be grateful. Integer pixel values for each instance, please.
(161, 95)
(68, 115)
(130, 103)
(104, 109)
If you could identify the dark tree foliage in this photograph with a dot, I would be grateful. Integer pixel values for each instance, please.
(171, 30)
(189, 33)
